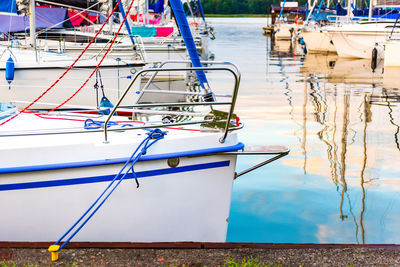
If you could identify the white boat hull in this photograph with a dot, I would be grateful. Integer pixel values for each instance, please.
(392, 55)
(48, 181)
(182, 206)
(318, 41)
(285, 31)
(357, 40)
(351, 45)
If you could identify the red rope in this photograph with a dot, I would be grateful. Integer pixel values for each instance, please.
(70, 67)
(98, 65)
(139, 122)
(80, 120)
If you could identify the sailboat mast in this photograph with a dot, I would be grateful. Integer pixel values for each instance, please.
(370, 10)
(32, 21)
(349, 13)
(110, 23)
(311, 11)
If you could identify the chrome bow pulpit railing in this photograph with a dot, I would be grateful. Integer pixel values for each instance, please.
(229, 67)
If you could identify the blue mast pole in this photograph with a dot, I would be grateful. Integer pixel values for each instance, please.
(201, 10)
(319, 8)
(280, 13)
(121, 9)
(184, 28)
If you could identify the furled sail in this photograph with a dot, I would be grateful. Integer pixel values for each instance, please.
(45, 18)
(8, 6)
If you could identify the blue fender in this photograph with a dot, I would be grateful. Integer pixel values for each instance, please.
(105, 106)
(10, 69)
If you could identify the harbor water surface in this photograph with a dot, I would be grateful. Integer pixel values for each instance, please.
(340, 183)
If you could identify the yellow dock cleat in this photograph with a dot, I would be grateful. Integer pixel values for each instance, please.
(54, 252)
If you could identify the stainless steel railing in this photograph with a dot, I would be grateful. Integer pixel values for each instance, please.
(231, 69)
(137, 107)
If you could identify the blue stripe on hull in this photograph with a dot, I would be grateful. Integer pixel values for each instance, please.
(46, 167)
(107, 178)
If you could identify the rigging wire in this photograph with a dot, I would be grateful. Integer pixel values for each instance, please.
(65, 72)
(101, 61)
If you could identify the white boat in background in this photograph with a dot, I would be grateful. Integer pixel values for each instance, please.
(317, 40)
(160, 41)
(313, 35)
(290, 16)
(391, 53)
(35, 71)
(392, 61)
(357, 40)
(155, 51)
(285, 31)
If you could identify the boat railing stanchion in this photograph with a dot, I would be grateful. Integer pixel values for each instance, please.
(276, 151)
(162, 64)
(233, 70)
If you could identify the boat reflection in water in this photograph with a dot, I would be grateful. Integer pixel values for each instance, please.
(344, 70)
(340, 184)
(391, 77)
(347, 101)
(351, 71)
(285, 48)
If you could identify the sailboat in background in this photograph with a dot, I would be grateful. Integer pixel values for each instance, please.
(290, 16)
(33, 70)
(359, 40)
(152, 40)
(365, 39)
(392, 46)
(313, 33)
(352, 32)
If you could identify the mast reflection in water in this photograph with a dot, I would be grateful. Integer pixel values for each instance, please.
(340, 118)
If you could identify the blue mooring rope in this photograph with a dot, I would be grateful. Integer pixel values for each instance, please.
(153, 135)
(91, 124)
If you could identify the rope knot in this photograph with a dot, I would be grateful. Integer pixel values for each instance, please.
(156, 134)
(91, 124)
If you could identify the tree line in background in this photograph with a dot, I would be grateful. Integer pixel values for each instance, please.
(239, 6)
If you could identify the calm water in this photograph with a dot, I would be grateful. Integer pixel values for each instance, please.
(341, 181)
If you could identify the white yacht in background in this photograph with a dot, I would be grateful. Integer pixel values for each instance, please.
(314, 36)
(357, 40)
(35, 71)
(287, 23)
(392, 46)
(317, 39)
(285, 31)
